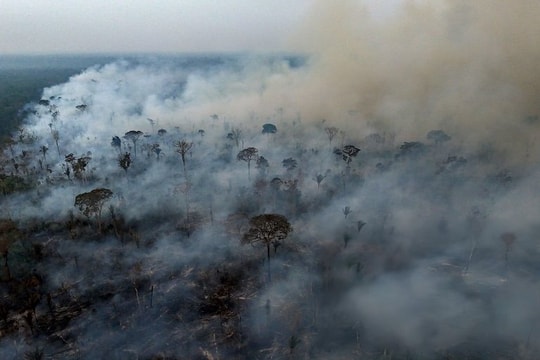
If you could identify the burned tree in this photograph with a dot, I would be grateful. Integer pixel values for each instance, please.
(248, 155)
(267, 229)
(91, 203)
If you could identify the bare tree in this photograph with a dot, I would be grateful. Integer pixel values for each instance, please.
(9, 233)
(183, 147)
(236, 136)
(331, 133)
(124, 161)
(267, 229)
(91, 203)
(56, 136)
(248, 155)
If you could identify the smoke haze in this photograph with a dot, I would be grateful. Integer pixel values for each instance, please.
(470, 68)
(422, 245)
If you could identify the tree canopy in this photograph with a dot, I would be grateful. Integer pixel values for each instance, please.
(269, 129)
(91, 203)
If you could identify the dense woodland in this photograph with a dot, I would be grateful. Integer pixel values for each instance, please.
(124, 236)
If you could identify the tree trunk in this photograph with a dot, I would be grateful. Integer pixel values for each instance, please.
(6, 265)
(268, 262)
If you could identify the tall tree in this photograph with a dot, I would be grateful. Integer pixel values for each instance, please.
(134, 136)
(267, 229)
(183, 147)
(248, 155)
(236, 136)
(331, 133)
(91, 203)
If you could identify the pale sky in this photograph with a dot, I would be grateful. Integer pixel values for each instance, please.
(59, 26)
(90, 26)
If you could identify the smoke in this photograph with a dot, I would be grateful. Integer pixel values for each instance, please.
(419, 247)
(470, 68)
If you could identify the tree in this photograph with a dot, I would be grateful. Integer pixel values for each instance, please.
(236, 136)
(156, 149)
(249, 154)
(348, 152)
(319, 179)
(331, 132)
(116, 143)
(9, 233)
(125, 161)
(411, 148)
(269, 129)
(134, 136)
(183, 147)
(438, 136)
(43, 150)
(55, 134)
(91, 203)
(262, 165)
(78, 165)
(267, 229)
(289, 164)
(152, 123)
(508, 240)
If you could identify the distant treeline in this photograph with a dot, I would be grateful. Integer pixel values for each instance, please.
(19, 87)
(23, 78)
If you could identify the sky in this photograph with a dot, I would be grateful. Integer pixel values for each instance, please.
(170, 26)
